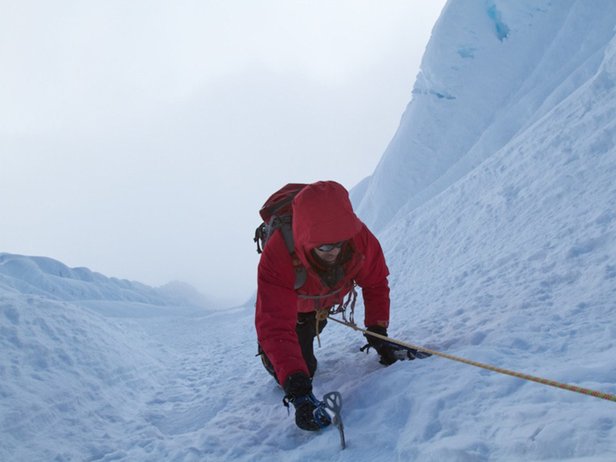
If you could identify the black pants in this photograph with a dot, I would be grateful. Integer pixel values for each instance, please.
(306, 329)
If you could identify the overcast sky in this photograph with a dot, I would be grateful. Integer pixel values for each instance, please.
(139, 138)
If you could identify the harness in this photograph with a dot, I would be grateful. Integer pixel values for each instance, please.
(322, 314)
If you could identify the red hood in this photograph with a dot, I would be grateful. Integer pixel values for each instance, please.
(322, 214)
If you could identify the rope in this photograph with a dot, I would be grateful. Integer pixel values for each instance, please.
(500, 370)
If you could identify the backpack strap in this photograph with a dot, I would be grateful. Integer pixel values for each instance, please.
(287, 235)
(300, 271)
(284, 224)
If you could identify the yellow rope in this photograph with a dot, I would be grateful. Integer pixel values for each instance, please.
(520, 375)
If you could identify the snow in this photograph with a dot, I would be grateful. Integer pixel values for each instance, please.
(495, 206)
(475, 93)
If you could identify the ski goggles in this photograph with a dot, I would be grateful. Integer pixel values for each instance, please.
(330, 247)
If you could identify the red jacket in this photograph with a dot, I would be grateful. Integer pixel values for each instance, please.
(322, 213)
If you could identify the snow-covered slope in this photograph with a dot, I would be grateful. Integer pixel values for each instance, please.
(491, 70)
(515, 265)
(500, 233)
(71, 381)
(76, 368)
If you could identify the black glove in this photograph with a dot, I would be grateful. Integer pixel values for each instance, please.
(310, 413)
(388, 351)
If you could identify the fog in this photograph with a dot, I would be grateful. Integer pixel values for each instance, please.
(139, 139)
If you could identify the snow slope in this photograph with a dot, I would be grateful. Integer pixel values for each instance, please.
(72, 382)
(501, 241)
(491, 70)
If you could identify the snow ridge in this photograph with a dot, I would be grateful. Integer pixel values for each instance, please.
(475, 92)
(52, 279)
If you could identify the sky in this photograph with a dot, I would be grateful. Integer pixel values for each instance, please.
(139, 139)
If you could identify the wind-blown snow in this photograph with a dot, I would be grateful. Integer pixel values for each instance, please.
(495, 207)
